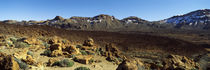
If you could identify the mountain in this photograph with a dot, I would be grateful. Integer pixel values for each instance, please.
(96, 23)
(196, 20)
(199, 19)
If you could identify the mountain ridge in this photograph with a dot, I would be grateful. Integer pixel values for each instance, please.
(198, 19)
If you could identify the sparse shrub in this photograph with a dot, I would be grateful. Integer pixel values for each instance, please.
(91, 61)
(120, 59)
(140, 67)
(73, 56)
(194, 69)
(30, 53)
(57, 63)
(99, 51)
(83, 52)
(78, 46)
(22, 64)
(46, 45)
(90, 53)
(9, 44)
(64, 41)
(21, 45)
(13, 39)
(64, 63)
(82, 68)
(47, 52)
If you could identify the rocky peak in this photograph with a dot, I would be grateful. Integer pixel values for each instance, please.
(198, 19)
(192, 17)
(103, 16)
(58, 18)
(134, 19)
(10, 21)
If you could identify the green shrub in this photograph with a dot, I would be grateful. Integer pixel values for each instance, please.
(64, 41)
(64, 63)
(120, 59)
(91, 61)
(57, 63)
(83, 52)
(90, 53)
(194, 69)
(78, 46)
(46, 45)
(21, 45)
(73, 56)
(30, 53)
(10, 44)
(22, 64)
(82, 68)
(13, 39)
(47, 52)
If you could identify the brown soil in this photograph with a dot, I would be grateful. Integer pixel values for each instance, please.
(127, 42)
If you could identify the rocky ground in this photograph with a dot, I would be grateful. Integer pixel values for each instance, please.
(46, 48)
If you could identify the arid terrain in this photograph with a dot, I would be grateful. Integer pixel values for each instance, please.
(101, 50)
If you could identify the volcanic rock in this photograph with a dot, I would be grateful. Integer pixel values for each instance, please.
(88, 42)
(7, 62)
(56, 53)
(180, 62)
(30, 60)
(84, 59)
(128, 65)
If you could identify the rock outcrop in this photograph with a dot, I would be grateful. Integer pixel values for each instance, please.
(130, 64)
(7, 62)
(88, 42)
(179, 62)
(60, 47)
(112, 53)
(33, 41)
(84, 59)
(30, 60)
(51, 61)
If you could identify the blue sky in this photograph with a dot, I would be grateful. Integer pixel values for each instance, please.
(152, 10)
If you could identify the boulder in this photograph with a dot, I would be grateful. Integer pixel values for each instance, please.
(93, 48)
(88, 42)
(55, 47)
(51, 61)
(72, 50)
(54, 40)
(128, 65)
(7, 62)
(21, 54)
(112, 50)
(32, 40)
(56, 53)
(112, 53)
(84, 59)
(30, 60)
(179, 62)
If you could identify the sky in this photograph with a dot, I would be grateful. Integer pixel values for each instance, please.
(152, 10)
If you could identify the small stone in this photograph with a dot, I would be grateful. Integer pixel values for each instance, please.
(84, 59)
